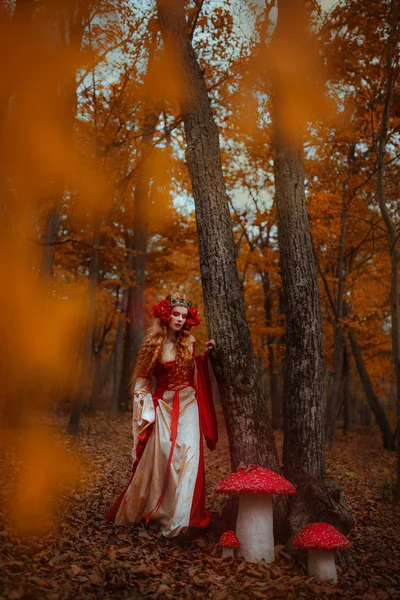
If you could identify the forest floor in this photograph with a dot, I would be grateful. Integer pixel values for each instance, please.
(85, 557)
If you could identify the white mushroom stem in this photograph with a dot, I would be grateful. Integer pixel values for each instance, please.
(227, 552)
(321, 564)
(254, 527)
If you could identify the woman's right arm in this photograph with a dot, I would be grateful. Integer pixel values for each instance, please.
(143, 409)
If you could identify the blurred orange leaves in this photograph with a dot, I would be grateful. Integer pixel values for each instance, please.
(47, 468)
(39, 330)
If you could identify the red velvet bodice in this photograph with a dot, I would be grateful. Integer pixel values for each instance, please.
(168, 380)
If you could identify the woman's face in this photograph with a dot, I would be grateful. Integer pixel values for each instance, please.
(178, 318)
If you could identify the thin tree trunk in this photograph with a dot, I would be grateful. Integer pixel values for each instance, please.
(387, 218)
(140, 226)
(332, 400)
(373, 402)
(245, 409)
(346, 391)
(84, 376)
(126, 373)
(366, 420)
(96, 382)
(71, 32)
(53, 224)
(282, 356)
(118, 355)
(137, 258)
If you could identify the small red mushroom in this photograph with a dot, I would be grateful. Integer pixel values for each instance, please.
(254, 525)
(228, 541)
(321, 540)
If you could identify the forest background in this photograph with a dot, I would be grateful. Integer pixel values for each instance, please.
(97, 222)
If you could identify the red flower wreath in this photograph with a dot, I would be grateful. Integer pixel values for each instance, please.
(192, 319)
(162, 310)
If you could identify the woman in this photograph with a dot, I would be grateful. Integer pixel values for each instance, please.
(167, 482)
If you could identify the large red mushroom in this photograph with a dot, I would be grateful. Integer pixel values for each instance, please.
(321, 540)
(254, 527)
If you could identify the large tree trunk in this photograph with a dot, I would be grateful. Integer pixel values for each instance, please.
(245, 408)
(303, 405)
(372, 399)
(84, 374)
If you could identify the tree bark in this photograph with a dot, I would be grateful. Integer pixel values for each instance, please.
(303, 403)
(303, 406)
(276, 398)
(304, 443)
(373, 402)
(244, 406)
(276, 407)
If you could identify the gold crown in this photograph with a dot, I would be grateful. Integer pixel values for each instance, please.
(177, 300)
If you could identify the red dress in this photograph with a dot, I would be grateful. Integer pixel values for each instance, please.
(168, 480)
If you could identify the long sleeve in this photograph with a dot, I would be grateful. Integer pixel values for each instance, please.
(143, 413)
(208, 419)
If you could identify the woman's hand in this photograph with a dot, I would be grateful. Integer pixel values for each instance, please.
(208, 346)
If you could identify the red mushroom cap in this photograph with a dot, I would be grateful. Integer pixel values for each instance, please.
(322, 536)
(229, 539)
(255, 480)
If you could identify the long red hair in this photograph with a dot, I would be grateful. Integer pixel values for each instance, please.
(152, 348)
